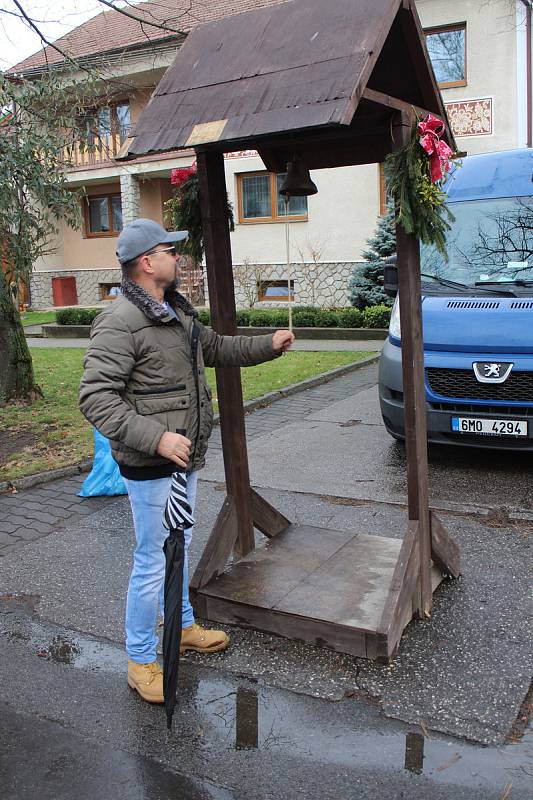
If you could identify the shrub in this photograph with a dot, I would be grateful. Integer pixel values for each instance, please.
(366, 284)
(77, 316)
(280, 317)
(259, 318)
(204, 316)
(325, 318)
(243, 317)
(350, 318)
(304, 317)
(377, 316)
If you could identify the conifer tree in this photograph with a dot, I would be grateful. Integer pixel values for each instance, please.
(366, 283)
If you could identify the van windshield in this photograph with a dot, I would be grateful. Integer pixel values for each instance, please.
(490, 241)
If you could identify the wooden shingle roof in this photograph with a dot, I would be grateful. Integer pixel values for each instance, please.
(294, 72)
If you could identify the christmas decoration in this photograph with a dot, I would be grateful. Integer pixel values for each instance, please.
(414, 175)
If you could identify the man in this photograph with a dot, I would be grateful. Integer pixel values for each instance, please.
(144, 380)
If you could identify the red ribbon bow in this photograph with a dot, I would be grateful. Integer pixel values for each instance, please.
(430, 130)
(179, 175)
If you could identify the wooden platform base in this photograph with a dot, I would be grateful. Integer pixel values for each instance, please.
(348, 591)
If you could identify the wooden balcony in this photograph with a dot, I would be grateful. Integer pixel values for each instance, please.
(99, 151)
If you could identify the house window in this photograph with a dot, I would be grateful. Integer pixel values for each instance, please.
(109, 291)
(275, 290)
(260, 201)
(98, 124)
(103, 215)
(447, 51)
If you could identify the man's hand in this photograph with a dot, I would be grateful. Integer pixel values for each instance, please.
(282, 340)
(175, 447)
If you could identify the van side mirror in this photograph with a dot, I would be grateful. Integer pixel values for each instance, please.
(390, 277)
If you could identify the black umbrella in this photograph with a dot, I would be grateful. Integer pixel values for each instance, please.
(176, 517)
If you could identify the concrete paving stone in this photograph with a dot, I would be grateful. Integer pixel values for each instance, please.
(33, 515)
(8, 527)
(41, 528)
(13, 547)
(17, 519)
(33, 533)
(8, 537)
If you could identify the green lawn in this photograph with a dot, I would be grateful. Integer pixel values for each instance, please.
(52, 433)
(37, 317)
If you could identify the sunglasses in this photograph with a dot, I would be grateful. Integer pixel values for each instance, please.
(171, 250)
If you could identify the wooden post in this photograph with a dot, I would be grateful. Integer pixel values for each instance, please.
(414, 393)
(213, 198)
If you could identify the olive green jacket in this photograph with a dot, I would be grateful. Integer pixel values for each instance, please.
(141, 377)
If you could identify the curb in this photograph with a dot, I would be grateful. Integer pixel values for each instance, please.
(249, 406)
(309, 383)
(44, 477)
(49, 331)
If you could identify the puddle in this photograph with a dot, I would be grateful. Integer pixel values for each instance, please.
(232, 714)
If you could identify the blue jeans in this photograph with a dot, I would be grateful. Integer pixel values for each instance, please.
(145, 591)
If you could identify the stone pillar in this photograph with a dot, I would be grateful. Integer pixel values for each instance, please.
(130, 192)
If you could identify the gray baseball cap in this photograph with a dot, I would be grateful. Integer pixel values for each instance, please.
(143, 235)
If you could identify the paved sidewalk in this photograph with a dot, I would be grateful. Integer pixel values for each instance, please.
(31, 514)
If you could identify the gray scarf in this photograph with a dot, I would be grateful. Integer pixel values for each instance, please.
(149, 305)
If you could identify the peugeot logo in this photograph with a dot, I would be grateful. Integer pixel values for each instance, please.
(492, 371)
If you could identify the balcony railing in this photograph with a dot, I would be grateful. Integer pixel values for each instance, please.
(97, 150)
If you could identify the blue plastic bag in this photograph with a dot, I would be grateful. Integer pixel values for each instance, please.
(104, 479)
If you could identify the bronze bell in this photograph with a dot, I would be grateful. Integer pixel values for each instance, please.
(297, 181)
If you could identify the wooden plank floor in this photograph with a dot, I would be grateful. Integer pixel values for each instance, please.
(314, 584)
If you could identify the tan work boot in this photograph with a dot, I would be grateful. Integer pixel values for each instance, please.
(202, 640)
(147, 679)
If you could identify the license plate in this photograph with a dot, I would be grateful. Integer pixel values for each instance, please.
(489, 427)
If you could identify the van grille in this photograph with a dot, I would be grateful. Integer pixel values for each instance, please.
(462, 383)
(485, 410)
(481, 305)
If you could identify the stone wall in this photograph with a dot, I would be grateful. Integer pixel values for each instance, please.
(130, 196)
(324, 285)
(315, 284)
(87, 285)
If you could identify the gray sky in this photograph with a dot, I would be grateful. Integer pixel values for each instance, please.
(54, 19)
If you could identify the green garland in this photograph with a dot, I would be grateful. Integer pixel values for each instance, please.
(419, 205)
(182, 212)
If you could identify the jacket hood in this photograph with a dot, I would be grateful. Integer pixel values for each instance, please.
(149, 305)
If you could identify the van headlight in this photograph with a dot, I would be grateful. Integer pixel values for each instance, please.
(394, 325)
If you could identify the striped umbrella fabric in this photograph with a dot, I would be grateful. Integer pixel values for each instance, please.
(176, 517)
(178, 513)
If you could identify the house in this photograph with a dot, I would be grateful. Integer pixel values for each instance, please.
(481, 54)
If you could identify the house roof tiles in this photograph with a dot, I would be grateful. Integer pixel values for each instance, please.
(112, 30)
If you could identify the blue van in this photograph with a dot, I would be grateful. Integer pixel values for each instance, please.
(477, 312)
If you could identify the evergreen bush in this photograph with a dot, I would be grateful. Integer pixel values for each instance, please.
(204, 316)
(243, 317)
(77, 316)
(304, 317)
(350, 318)
(377, 316)
(326, 319)
(366, 283)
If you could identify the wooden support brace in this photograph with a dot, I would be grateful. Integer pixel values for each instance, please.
(408, 260)
(267, 519)
(444, 550)
(218, 547)
(213, 201)
(399, 603)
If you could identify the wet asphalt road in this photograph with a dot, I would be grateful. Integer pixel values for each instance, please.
(73, 731)
(273, 719)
